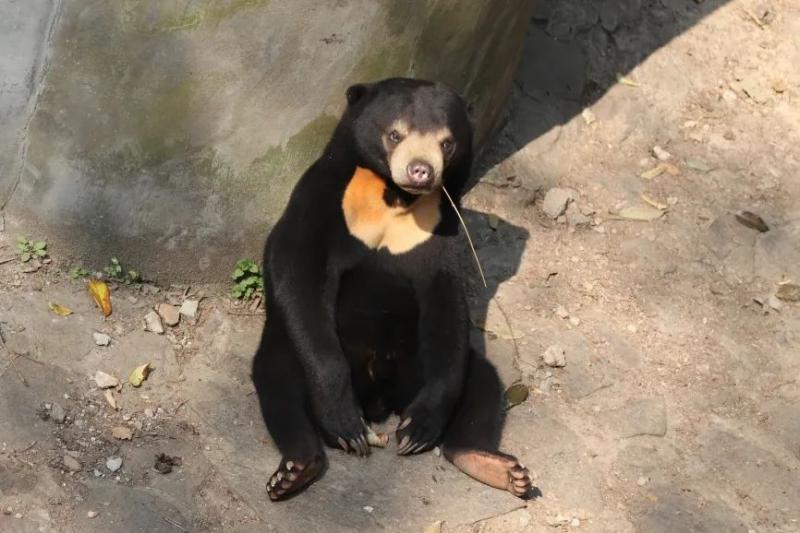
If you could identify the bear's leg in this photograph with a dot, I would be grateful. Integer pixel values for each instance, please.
(280, 384)
(472, 438)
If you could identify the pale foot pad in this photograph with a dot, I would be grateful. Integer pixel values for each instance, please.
(496, 469)
(292, 476)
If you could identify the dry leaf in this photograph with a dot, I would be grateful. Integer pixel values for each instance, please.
(624, 80)
(516, 394)
(752, 221)
(699, 165)
(644, 213)
(494, 221)
(122, 433)
(60, 310)
(654, 203)
(110, 399)
(436, 527)
(139, 374)
(654, 172)
(101, 294)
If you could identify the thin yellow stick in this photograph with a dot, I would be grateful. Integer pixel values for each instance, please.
(469, 239)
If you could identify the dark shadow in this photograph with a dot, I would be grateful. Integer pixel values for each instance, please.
(574, 52)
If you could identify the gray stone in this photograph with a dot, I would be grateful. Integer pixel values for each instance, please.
(555, 356)
(556, 200)
(575, 217)
(114, 463)
(189, 308)
(72, 464)
(57, 413)
(187, 124)
(101, 339)
(105, 381)
(152, 322)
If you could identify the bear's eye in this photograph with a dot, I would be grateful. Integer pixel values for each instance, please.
(394, 136)
(447, 146)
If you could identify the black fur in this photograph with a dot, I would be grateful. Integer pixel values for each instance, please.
(353, 332)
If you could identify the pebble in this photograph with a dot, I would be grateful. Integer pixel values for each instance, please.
(57, 413)
(561, 312)
(105, 381)
(555, 356)
(556, 200)
(18, 516)
(575, 321)
(575, 522)
(632, 328)
(72, 464)
(368, 508)
(169, 313)
(642, 481)
(672, 200)
(189, 308)
(661, 154)
(101, 339)
(97, 473)
(149, 413)
(729, 96)
(92, 514)
(152, 322)
(8, 510)
(114, 463)
(588, 117)
(437, 451)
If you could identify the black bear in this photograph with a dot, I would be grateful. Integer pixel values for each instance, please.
(367, 313)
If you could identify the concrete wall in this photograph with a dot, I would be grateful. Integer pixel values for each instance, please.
(169, 133)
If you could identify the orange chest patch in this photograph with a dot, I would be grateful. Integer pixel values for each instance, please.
(396, 228)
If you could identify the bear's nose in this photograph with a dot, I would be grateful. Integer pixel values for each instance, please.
(420, 173)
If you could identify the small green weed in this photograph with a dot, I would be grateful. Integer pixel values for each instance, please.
(80, 272)
(246, 280)
(29, 249)
(115, 271)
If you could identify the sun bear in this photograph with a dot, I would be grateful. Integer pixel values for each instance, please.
(367, 312)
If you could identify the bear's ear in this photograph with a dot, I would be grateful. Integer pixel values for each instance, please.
(355, 92)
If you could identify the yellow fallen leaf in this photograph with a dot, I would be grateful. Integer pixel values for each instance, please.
(436, 527)
(139, 374)
(122, 433)
(654, 203)
(110, 399)
(101, 294)
(60, 310)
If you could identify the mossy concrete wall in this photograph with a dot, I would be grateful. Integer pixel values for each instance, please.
(169, 133)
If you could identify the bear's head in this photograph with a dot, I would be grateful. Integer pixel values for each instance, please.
(415, 134)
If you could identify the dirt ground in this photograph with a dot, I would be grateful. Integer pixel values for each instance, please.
(677, 407)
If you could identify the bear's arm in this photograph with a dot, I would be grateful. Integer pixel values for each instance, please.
(443, 329)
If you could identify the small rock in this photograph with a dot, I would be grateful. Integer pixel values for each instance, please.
(72, 464)
(774, 302)
(149, 413)
(57, 413)
(97, 473)
(575, 321)
(437, 451)
(169, 313)
(561, 312)
(8, 510)
(105, 381)
(672, 201)
(92, 514)
(789, 292)
(661, 154)
(18, 516)
(576, 215)
(642, 481)
(368, 508)
(114, 463)
(729, 96)
(556, 200)
(632, 328)
(555, 356)
(588, 117)
(101, 339)
(189, 308)
(575, 522)
(152, 322)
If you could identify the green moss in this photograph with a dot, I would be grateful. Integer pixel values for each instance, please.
(178, 17)
(163, 121)
(285, 164)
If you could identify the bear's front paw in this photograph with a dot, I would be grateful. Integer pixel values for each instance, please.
(419, 429)
(343, 426)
